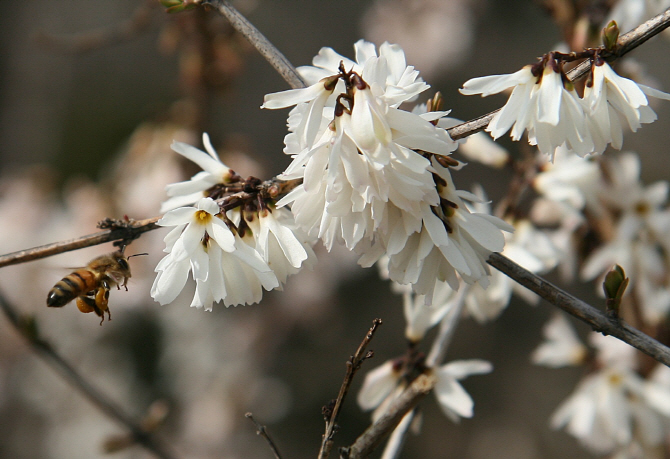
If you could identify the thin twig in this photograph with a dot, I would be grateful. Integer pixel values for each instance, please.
(128, 232)
(27, 328)
(259, 41)
(581, 310)
(331, 414)
(262, 431)
(375, 434)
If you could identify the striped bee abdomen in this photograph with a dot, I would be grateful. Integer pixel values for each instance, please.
(71, 286)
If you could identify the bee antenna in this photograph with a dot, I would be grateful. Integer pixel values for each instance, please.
(137, 255)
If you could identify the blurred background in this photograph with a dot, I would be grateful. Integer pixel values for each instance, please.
(91, 96)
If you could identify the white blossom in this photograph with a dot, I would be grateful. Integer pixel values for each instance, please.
(547, 107)
(449, 240)
(639, 237)
(612, 102)
(383, 384)
(614, 408)
(539, 104)
(283, 246)
(453, 400)
(357, 158)
(213, 172)
(225, 267)
(562, 346)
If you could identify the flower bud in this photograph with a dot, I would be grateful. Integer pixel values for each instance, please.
(614, 286)
(610, 35)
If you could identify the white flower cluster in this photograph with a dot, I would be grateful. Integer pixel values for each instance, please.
(613, 410)
(232, 255)
(368, 181)
(545, 104)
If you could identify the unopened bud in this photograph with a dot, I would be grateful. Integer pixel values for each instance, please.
(610, 35)
(614, 286)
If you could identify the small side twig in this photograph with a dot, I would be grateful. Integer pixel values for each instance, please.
(274, 57)
(375, 434)
(262, 431)
(597, 319)
(27, 328)
(331, 414)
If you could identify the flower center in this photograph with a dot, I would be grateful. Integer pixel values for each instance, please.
(202, 217)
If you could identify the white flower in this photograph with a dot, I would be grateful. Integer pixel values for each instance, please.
(571, 179)
(450, 240)
(383, 384)
(540, 104)
(421, 317)
(454, 401)
(379, 383)
(614, 408)
(214, 172)
(562, 346)
(639, 237)
(554, 116)
(282, 245)
(225, 267)
(612, 102)
(353, 147)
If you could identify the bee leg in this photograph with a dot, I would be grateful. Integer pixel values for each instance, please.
(102, 300)
(86, 304)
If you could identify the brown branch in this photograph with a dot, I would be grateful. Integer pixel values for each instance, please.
(597, 319)
(375, 434)
(274, 57)
(262, 431)
(28, 329)
(353, 364)
(127, 232)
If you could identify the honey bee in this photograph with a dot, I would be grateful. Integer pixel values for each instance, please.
(90, 285)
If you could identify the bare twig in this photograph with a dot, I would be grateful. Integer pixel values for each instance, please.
(127, 232)
(598, 320)
(27, 328)
(262, 431)
(258, 40)
(373, 435)
(353, 364)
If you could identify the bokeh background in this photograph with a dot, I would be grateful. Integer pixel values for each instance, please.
(91, 95)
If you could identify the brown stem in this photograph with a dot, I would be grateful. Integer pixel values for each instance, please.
(262, 431)
(375, 434)
(353, 364)
(259, 41)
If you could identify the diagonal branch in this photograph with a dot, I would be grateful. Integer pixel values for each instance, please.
(27, 328)
(259, 41)
(598, 320)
